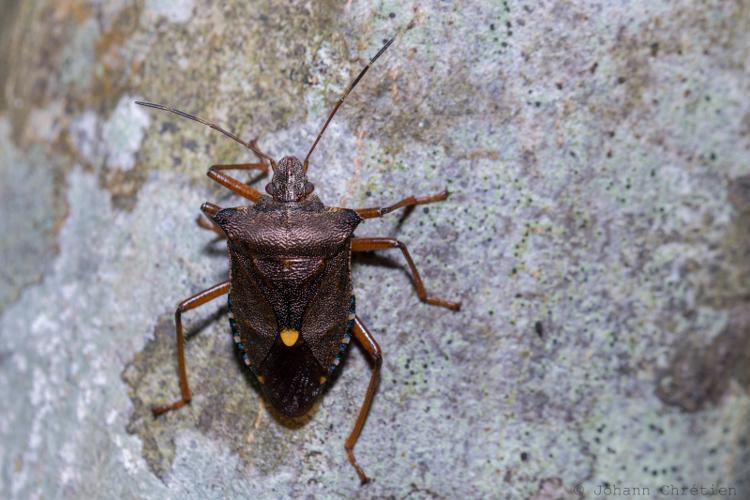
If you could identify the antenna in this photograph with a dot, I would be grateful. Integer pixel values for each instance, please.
(346, 93)
(251, 145)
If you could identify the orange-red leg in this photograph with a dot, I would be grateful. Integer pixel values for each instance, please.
(216, 172)
(263, 157)
(186, 305)
(368, 213)
(366, 340)
(204, 221)
(370, 244)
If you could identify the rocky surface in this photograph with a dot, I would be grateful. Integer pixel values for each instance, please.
(598, 155)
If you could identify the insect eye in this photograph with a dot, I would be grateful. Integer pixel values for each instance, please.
(270, 189)
(309, 188)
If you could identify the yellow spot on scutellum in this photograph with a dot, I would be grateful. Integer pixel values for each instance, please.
(261, 379)
(289, 337)
(322, 380)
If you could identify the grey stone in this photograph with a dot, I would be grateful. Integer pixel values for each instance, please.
(598, 156)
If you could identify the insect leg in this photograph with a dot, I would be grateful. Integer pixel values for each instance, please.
(253, 145)
(196, 300)
(242, 189)
(204, 221)
(367, 341)
(368, 213)
(370, 244)
(210, 225)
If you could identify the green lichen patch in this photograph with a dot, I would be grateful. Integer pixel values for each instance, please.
(225, 405)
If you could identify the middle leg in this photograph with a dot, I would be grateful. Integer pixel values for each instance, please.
(369, 244)
(411, 201)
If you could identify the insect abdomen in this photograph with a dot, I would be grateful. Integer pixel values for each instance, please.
(290, 376)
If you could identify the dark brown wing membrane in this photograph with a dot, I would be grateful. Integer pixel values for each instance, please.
(252, 314)
(325, 320)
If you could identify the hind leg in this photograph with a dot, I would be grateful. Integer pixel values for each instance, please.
(367, 341)
(196, 300)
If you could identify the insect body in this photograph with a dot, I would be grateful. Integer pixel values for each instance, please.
(292, 311)
(291, 294)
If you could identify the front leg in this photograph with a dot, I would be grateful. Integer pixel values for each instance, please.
(216, 172)
(210, 225)
(206, 221)
(368, 213)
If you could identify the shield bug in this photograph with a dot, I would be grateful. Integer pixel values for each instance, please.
(291, 307)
